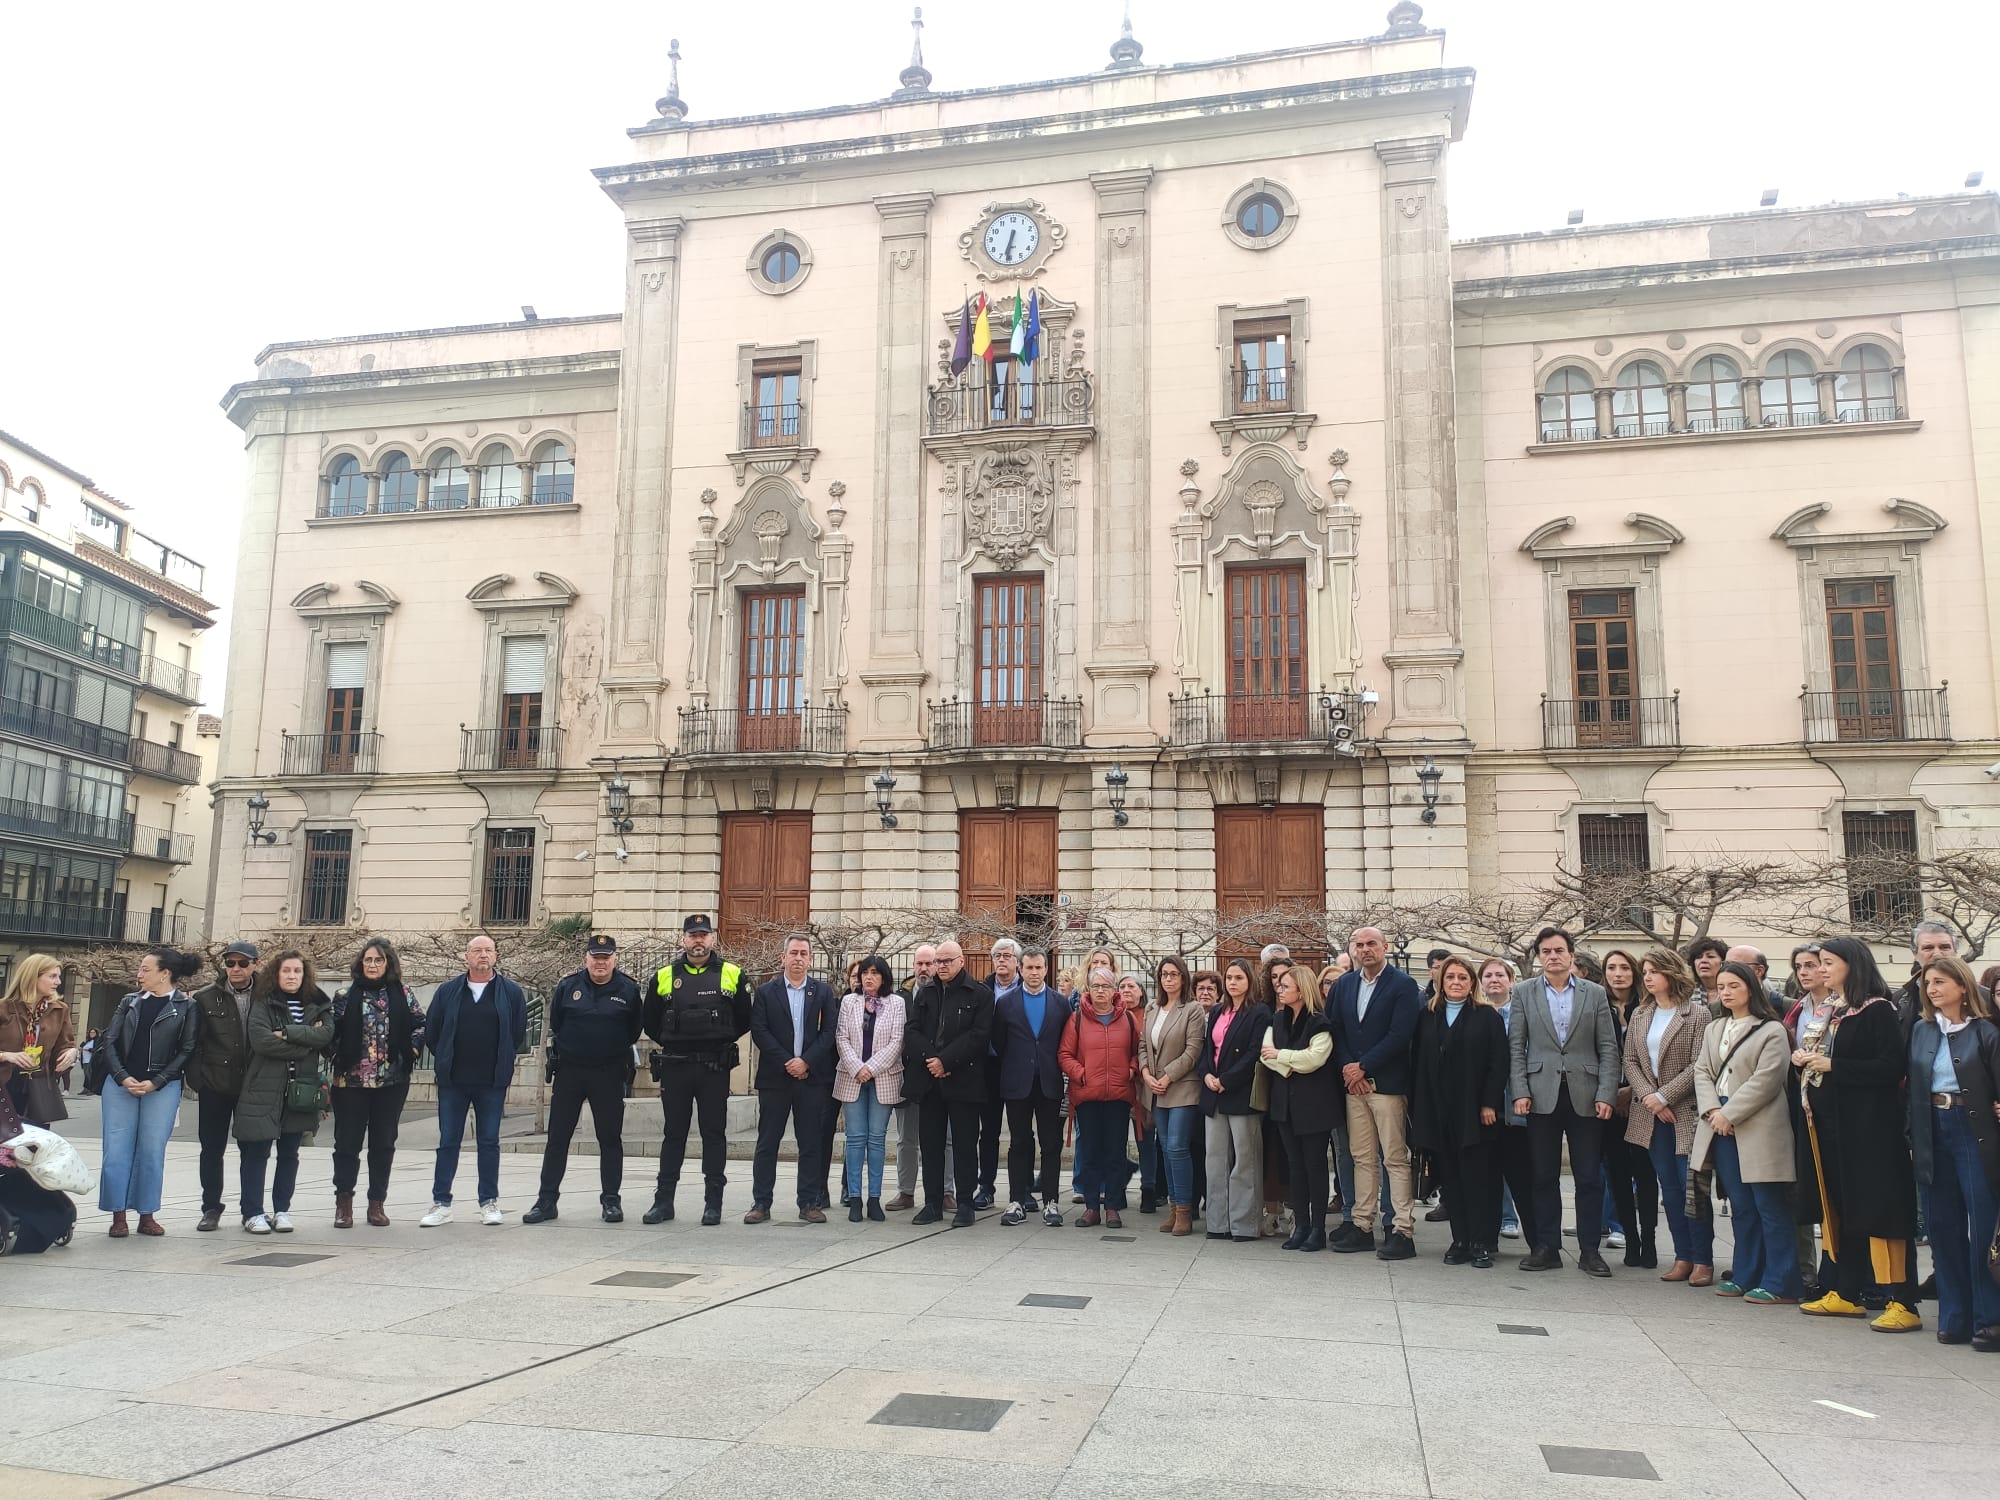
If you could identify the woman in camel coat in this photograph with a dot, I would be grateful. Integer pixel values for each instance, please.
(1661, 1046)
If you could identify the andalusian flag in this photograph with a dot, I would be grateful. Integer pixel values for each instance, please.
(982, 333)
(1019, 341)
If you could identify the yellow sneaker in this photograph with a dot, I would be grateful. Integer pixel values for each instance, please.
(1898, 1319)
(1833, 1305)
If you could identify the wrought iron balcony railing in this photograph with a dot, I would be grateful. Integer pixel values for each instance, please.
(773, 424)
(1017, 401)
(1334, 719)
(1611, 723)
(150, 758)
(349, 753)
(64, 731)
(1860, 715)
(1048, 723)
(162, 844)
(532, 748)
(68, 919)
(813, 729)
(170, 678)
(38, 820)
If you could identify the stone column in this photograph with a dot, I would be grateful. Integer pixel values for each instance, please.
(896, 673)
(1120, 666)
(1425, 652)
(635, 668)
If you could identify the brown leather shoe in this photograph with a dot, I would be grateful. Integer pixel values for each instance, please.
(149, 1225)
(211, 1220)
(1111, 1219)
(1703, 1276)
(376, 1215)
(901, 1203)
(1680, 1270)
(812, 1216)
(757, 1216)
(119, 1228)
(950, 1204)
(343, 1210)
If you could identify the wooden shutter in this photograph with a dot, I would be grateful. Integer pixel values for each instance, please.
(1007, 675)
(1267, 653)
(1861, 647)
(1604, 667)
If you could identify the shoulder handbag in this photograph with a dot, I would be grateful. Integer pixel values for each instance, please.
(99, 1072)
(310, 1092)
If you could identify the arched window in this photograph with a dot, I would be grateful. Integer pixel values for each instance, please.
(450, 487)
(1865, 388)
(1789, 392)
(399, 485)
(555, 475)
(347, 488)
(1639, 401)
(499, 478)
(1569, 411)
(1715, 395)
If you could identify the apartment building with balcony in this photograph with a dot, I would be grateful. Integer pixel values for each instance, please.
(103, 807)
(1632, 536)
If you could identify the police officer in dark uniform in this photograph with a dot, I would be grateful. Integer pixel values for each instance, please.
(593, 1024)
(696, 1012)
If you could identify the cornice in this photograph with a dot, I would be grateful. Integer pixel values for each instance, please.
(243, 400)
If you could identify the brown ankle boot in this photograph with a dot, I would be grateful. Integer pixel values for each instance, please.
(1183, 1218)
(343, 1210)
(149, 1225)
(376, 1215)
(1169, 1218)
(119, 1228)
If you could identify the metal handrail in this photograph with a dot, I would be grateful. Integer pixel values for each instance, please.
(810, 729)
(962, 724)
(1611, 723)
(1862, 715)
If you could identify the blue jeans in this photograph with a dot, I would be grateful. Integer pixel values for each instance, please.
(1694, 1239)
(867, 1139)
(1610, 1206)
(1760, 1216)
(1173, 1130)
(135, 1146)
(1961, 1217)
(1508, 1218)
(487, 1105)
(1100, 1147)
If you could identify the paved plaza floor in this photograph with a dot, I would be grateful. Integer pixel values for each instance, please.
(886, 1360)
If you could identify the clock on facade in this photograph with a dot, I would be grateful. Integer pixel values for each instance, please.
(1011, 241)
(1012, 238)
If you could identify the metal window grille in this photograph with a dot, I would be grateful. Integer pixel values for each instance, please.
(329, 858)
(510, 876)
(1882, 885)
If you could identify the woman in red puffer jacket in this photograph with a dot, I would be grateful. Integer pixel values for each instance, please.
(1100, 1057)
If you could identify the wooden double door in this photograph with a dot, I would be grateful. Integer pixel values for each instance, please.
(1267, 859)
(1006, 878)
(766, 873)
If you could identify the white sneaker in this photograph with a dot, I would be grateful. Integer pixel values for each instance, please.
(1614, 1240)
(1510, 1231)
(281, 1223)
(489, 1212)
(440, 1214)
(257, 1224)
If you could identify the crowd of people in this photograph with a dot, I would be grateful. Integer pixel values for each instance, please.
(1838, 1123)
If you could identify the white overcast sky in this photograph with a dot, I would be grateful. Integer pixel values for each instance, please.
(182, 184)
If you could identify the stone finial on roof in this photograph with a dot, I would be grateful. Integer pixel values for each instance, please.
(1406, 18)
(1125, 51)
(916, 78)
(671, 106)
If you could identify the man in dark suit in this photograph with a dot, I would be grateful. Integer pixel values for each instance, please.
(944, 1057)
(1028, 1021)
(1563, 1079)
(1375, 1008)
(791, 1022)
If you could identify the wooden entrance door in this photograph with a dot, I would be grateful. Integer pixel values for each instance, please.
(1267, 858)
(766, 874)
(1006, 877)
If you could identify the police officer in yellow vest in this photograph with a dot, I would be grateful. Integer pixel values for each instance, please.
(697, 1011)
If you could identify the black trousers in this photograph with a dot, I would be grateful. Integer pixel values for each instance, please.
(1469, 1183)
(1635, 1188)
(829, 1121)
(1517, 1170)
(1306, 1174)
(803, 1105)
(934, 1114)
(602, 1087)
(694, 1090)
(990, 1115)
(374, 1116)
(1546, 1134)
(1036, 1119)
(214, 1114)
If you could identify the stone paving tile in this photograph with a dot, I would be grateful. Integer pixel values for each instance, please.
(996, 1348)
(1345, 1319)
(520, 1316)
(138, 1360)
(29, 1408)
(774, 1335)
(689, 1398)
(1865, 1468)
(1082, 1483)
(764, 1469)
(1047, 1419)
(858, 1291)
(1904, 1408)
(154, 1442)
(1519, 1384)
(1474, 1453)
(1263, 1365)
(1432, 1325)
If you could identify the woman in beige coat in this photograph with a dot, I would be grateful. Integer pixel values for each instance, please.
(1661, 1045)
(1169, 1048)
(1746, 1135)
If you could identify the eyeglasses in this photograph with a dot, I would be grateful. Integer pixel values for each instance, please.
(236, 963)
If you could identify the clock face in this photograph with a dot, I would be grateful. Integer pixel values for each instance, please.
(1011, 238)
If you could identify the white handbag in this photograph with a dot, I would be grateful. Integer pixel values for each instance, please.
(50, 1160)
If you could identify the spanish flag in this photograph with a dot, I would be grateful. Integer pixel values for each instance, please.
(982, 333)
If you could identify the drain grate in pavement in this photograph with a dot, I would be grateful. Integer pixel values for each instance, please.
(281, 1259)
(1053, 1299)
(1526, 1328)
(658, 1280)
(1121, 1239)
(945, 1413)
(1598, 1463)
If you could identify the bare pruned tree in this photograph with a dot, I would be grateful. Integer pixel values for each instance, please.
(1878, 896)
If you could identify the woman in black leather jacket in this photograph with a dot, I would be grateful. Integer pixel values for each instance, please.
(147, 1043)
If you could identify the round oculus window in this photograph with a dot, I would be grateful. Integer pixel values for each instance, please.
(781, 264)
(1260, 216)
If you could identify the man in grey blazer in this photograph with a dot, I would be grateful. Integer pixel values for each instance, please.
(1564, 1077)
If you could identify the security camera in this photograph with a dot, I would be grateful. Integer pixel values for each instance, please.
(581, 855)
(1994, 770)
(622, 855)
